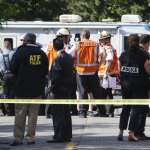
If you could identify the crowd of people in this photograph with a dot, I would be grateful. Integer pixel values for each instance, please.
(74, 72)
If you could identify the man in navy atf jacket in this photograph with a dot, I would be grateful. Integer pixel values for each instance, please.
(30, 66)
(60, 85)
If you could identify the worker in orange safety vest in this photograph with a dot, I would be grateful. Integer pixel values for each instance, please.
(86, 53)
(51, 53)
(109, 68)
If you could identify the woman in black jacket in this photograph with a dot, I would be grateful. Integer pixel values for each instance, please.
(134, 75)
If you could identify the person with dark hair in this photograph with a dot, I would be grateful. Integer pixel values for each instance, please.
(30, 66)
(139, 133)
(86, 53)
(8, 78)
(144, 41)
(64, 34)
(60, 84)
(134, 76)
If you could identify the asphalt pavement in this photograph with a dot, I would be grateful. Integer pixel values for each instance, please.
(88, 133)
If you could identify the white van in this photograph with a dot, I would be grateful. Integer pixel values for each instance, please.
(46, 31)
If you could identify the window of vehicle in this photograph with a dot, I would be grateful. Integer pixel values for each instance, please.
(77, 37)
(126, 43)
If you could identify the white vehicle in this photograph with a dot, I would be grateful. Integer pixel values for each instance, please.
(46, 31)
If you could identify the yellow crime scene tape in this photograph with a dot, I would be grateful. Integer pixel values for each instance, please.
(80, 101)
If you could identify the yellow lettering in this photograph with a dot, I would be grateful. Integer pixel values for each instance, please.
(35, 60)
(32, 63)
(31, 58)
(38, 57)
(34, 57)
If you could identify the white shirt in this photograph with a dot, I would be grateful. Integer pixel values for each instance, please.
(60, 51)
(109, 54)
(68, 47)
(73, 50)
(101, 49)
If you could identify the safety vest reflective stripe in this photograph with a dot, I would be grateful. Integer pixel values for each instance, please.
(114, 66)
(109, 73)
(82, 73)
(95, 57)
(86, 57)
(94, 64)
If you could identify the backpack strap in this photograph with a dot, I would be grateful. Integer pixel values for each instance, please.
(5, 60)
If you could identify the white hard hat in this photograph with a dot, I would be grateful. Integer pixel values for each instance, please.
(103, 34)
(62, 32)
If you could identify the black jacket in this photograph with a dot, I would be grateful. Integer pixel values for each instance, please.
(61, 74)
(133, 75)
(30, 65)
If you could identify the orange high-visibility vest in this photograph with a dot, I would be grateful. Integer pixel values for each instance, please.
(114, 70)
(86, 57)
(51, 54)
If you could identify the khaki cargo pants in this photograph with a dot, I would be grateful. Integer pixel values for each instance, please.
(21, 111)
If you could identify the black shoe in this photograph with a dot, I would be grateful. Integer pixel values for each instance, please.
(146, 137)
(92, 114)
(112, 114)
(104, 115)
(82, 114)
(67, 140)
(74, 113)
(139, 137)
(15, 143)
(47, 116)
(55, 141)
(10, 114)
(30, 143)
(142, 137)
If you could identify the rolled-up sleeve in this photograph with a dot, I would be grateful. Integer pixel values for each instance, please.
(72, 51)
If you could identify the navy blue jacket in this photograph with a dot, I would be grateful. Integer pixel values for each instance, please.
(30, 66)
(61, 74)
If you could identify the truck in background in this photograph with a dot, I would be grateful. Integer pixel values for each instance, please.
(46, 31)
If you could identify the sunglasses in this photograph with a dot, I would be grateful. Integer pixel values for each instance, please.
(21, 40)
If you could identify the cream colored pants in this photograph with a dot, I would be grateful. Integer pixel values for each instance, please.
(21, 111)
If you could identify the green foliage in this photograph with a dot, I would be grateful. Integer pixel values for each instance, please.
(89, 10)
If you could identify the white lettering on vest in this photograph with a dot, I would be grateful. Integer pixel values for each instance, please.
(129, 69)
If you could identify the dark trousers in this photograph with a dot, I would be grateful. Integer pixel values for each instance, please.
(48, 109)
(61, 118)
(107, 94)
(83, 84)
(8, 90)
(131, 110)
(73, 96)
(142, 120)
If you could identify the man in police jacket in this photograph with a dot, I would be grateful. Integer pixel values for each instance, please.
(30, 66)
